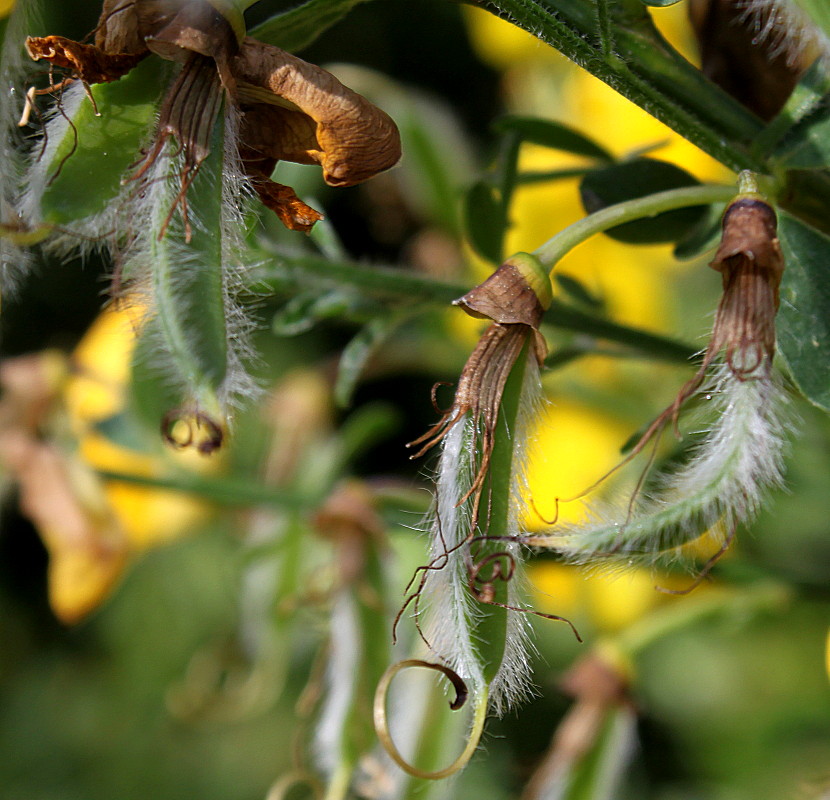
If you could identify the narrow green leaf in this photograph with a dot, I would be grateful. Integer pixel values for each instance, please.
(644, 68)
(357, 353)
(659, 3)
(641, 177)
(807, 144)
(596, 774)
(84, 174)
(484, 216)
(555, 135)
(783, 132)
(578, 291)
(701, 237)
(299, 27)
(804, 316)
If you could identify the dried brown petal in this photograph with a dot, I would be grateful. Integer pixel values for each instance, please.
(310, 117)
(505, 297)
(118, 29)
(282, 200)
(188, 113)
(84, 61)
(479, 392)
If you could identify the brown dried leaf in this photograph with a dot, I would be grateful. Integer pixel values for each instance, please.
(310, 117)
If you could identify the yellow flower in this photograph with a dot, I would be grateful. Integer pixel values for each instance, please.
(95, 393)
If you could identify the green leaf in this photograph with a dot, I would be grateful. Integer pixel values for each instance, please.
(484, 217)
(659, 3)
(803, 320)
(806, 100)
(358, 352)
(641, 177)
(95, 152)
(807, 144)
(299, 27)
(703, 236)
(555, 135)
(578, 291)
(596, 773)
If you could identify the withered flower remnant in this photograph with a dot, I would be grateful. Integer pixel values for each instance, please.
(290, 110)
(463, 572)
(741, 457)
(514, 298)
(751, 262)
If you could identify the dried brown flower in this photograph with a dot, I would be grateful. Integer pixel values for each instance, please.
(751, 262)
(514, 297)
(291, 110)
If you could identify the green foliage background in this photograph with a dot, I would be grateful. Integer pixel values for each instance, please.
(732, 694)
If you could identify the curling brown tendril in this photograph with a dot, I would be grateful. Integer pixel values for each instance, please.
(502, 566)
(184, 429)
(461, 695)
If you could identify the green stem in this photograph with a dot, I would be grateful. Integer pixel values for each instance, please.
(379, 279)
(644, 68)
(677, 617)
(219, 491)
(407, 285)
(566, 240)
(569, 318)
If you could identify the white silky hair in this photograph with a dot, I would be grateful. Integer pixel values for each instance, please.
(724, 483)
(787, 26)
(15, 66)
(142, 215)
(342, 671)
(450, 611)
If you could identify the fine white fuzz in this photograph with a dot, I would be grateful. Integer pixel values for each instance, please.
(451, 613)
(80, 237)
(345, 651)
(160, 270)
(722, 485)
(787, 27)
(14, 68)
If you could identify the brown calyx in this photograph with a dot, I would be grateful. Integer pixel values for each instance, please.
(752, 265)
